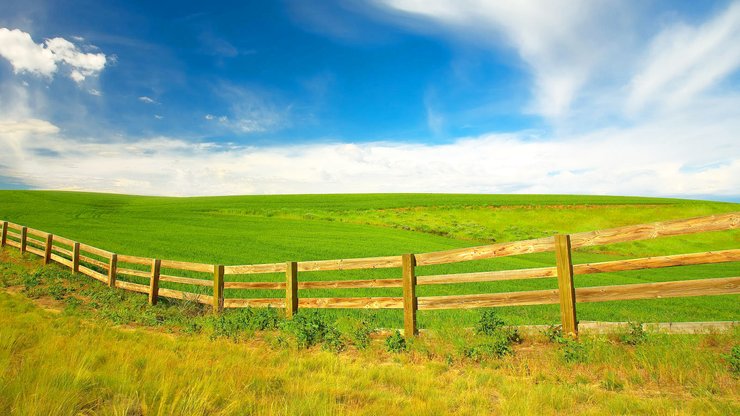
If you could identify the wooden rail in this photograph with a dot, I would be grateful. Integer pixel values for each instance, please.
(109, 268)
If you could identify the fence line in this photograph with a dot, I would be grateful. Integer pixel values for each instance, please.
(108, 267)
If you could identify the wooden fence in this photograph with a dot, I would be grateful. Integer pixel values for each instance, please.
(108, 267)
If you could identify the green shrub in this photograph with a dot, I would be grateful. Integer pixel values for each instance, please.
(396, 343)
(489, 323)
(359, 333)
(554, 333)
(733, 359)
(635, 334)
(334, 341)
(493, 347)
(573, 351)
(312, 328)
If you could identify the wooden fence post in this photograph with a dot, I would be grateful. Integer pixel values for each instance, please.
(4, 237)
(154, 282)
(47, 248)
(24, 239)
(112, 269)
(218, 288)
(408, 264)
(76, 257)
(291, 289)
(566, 288)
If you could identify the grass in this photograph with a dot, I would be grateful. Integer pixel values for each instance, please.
(69, 346)
(263, 229)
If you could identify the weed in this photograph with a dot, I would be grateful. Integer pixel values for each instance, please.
(359, 332)
(634, 335)
(493, 347)
(554, 333)
(396, 343)
(573, 351)
(733, 360)
(334, 341)
(489, 323)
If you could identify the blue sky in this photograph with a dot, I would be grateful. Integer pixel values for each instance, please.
(200, 98)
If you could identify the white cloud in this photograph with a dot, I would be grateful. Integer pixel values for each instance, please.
(26, 127)
(25, 55)
(145, 99)
(688, 159)
(684, 60)
(564, 42)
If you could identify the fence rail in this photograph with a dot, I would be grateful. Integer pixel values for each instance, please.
(111, 268)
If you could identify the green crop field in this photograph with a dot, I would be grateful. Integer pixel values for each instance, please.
(263, 229)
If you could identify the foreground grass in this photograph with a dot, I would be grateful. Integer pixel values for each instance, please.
(96, 350)
(262, 229)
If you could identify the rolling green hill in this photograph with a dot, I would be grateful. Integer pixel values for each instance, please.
(260, 229)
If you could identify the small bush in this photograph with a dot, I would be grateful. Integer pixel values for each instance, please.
(360, 332)
(494, 347)
(396, 343)
(573, 351)
(554, 333)
(309, 328)
(334, 341)
(733, 360)
(634, 335)
(489, 323)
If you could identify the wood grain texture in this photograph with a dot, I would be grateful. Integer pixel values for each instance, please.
(47, 248)
(92, 273)
(566, 289)
(94, 250)
(4, 235)
(709, 257)
(15, 235)
(350, 264)
(218, 288)
(486, 252)
(132, 272)
(112, 269)
(410, 305)
(535, 273)
(61, 260)
(14, 226)
(255, 285)
(12, 243)
(683, 288)
(63, 240)
(186, 296)
(291, 289)
(34, 250)
(255, 268)
(93, 261)
(133, 287)
(143, 261)
(352, 303)
(352, 284)
(76, 257)
(255, 303)
(185, 265)
(719, 222)
(154, 282)
(61, 250)
(37, 233)
(24, 237)
(489, 300)
(185, 280)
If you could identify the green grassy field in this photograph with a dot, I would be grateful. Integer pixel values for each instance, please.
(70, 346)
(261, 229)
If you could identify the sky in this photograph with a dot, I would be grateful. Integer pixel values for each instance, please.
(343, 96)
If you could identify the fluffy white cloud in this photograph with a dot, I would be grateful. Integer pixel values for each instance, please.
(147, 100)
(25, 55)
(689, 159)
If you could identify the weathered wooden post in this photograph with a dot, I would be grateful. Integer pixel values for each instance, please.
(24, 239)
(47, 248)
(218, 288)
(112, 269)
(4, 237)
(154, 282)
(410, 305)
(76, 257)
(566, 288)
(291, 289)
